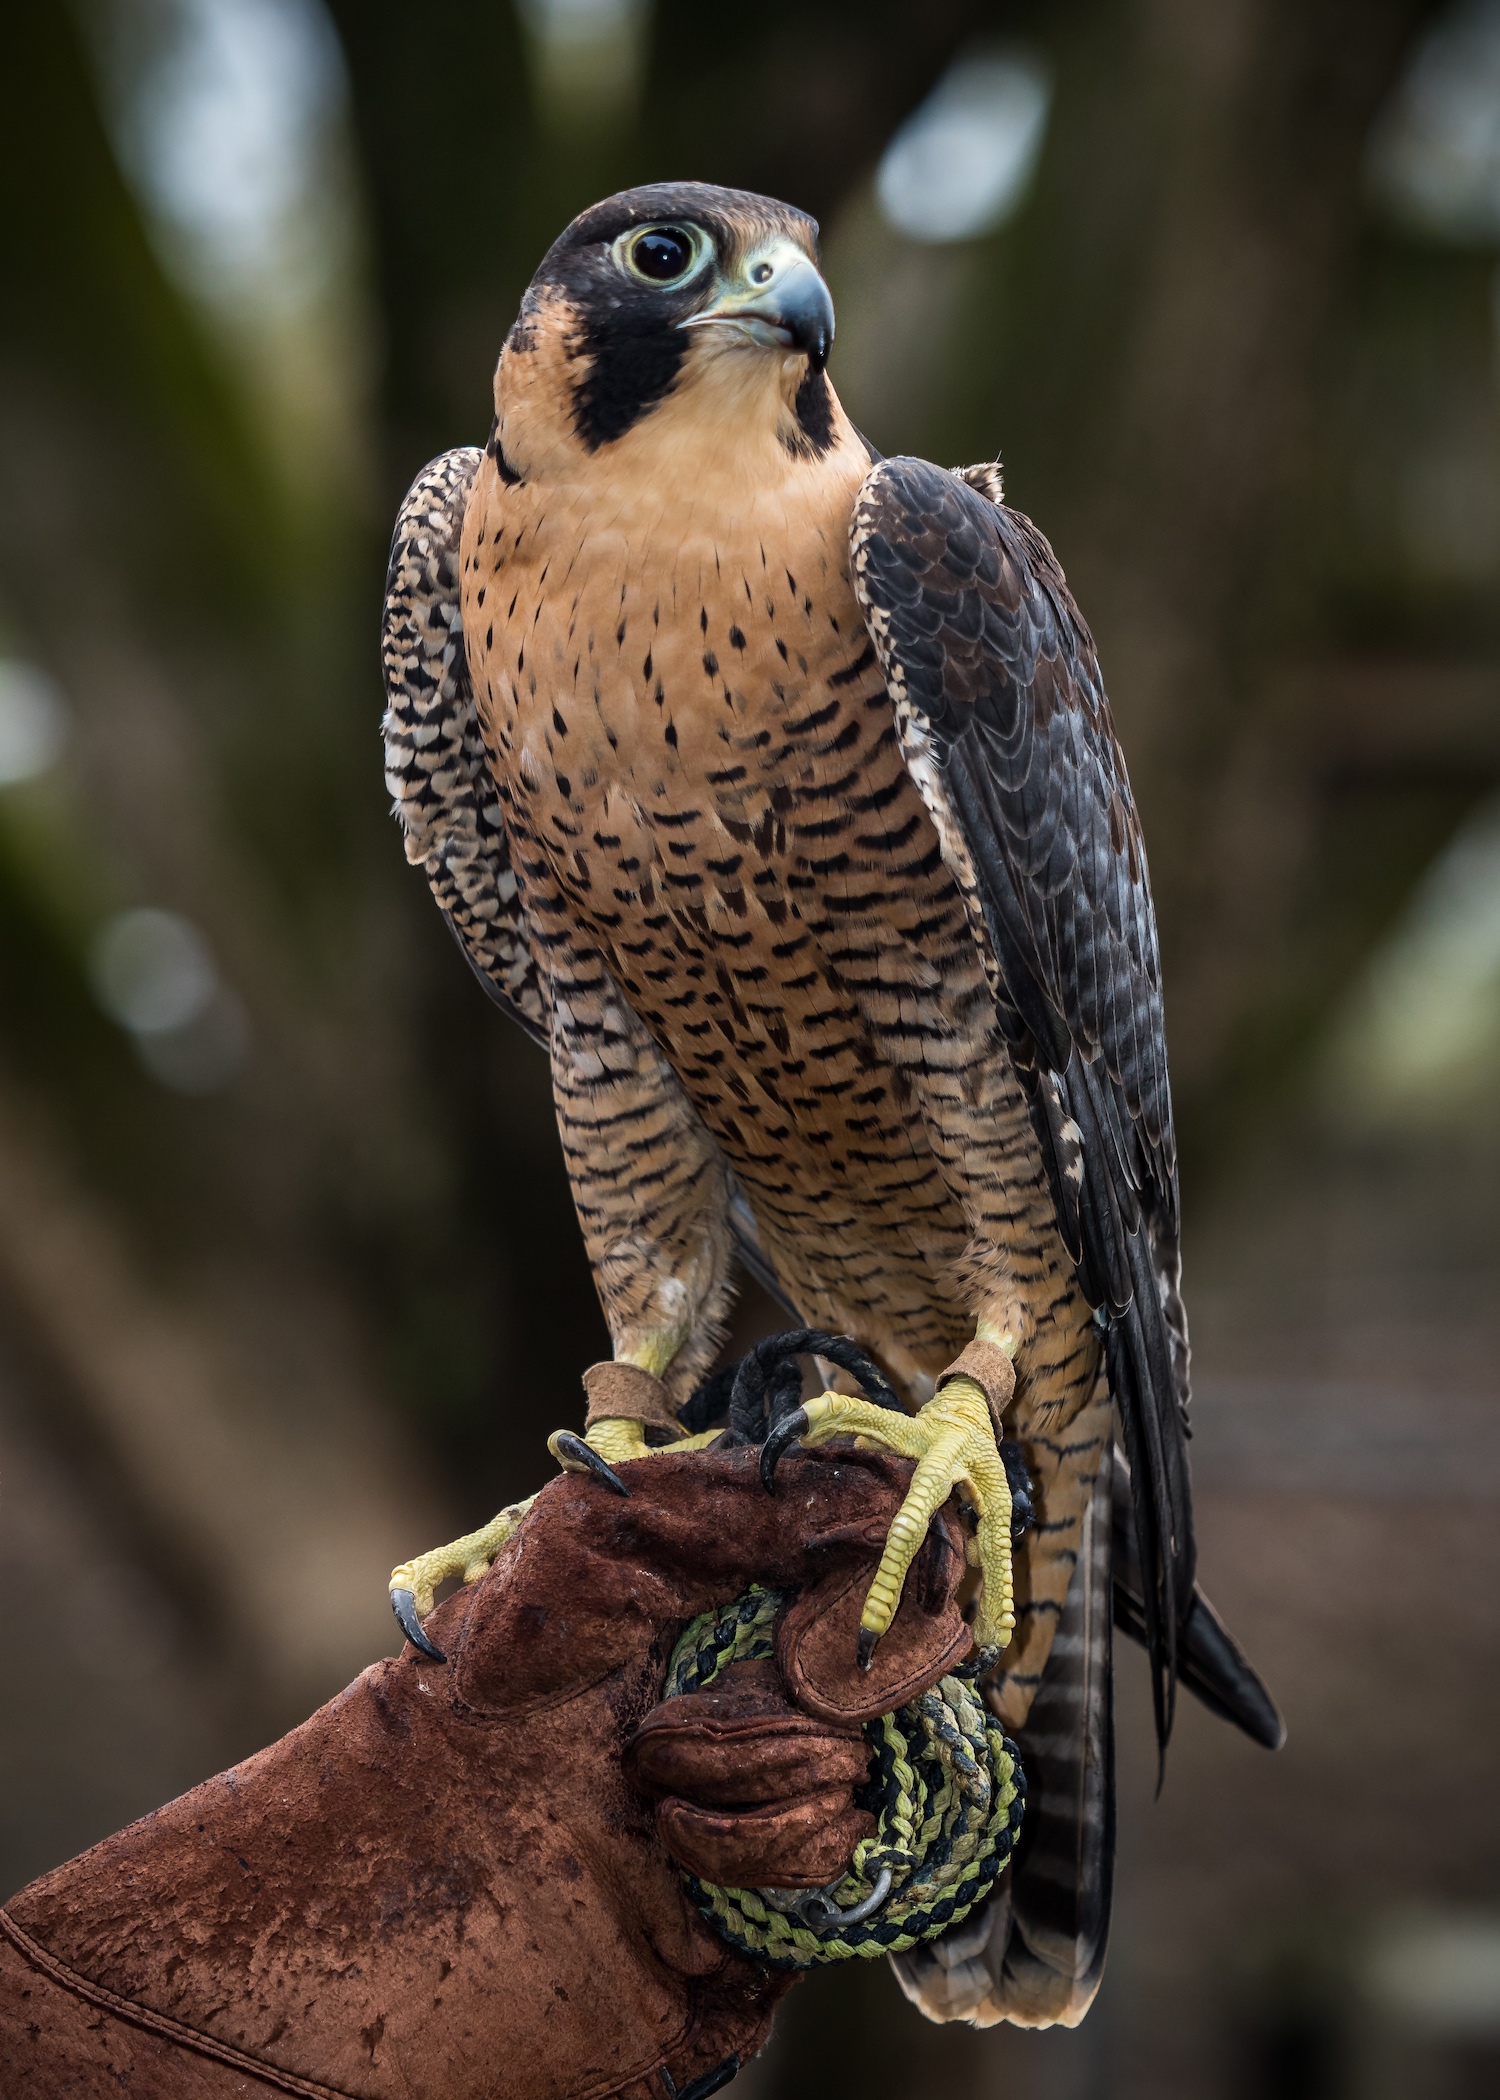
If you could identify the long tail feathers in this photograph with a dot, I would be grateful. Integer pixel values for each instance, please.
(1210, 1663)
(1035, 1953)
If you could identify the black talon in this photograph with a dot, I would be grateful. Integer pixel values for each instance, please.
(1022, 1508)
(865, 1650)
(787, 1431)
(404, 1605)
(586, 1455)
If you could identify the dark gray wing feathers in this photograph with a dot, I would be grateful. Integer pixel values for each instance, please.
(435, 761)
(1006, 729)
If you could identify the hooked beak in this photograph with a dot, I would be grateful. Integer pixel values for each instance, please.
(780, 301)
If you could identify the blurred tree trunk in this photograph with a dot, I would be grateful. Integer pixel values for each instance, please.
(1195, 507)
(179, 1268)
(1169, 322)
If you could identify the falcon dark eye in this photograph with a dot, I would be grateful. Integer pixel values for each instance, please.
(662, 254)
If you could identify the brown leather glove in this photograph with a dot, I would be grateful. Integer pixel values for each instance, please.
(758, 1795)
(443, 1882)
(759, 1773)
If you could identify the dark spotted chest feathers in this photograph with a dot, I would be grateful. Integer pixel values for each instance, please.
(697, 754)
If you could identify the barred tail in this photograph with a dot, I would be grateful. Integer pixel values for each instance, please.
(1035, 1953)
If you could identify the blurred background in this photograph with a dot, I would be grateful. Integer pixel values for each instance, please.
(290, 1283)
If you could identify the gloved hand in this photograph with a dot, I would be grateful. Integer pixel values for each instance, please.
(759, 1773)
(444, 1881)
(757, 1795)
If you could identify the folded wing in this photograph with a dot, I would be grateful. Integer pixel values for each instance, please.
(1006, 730)
(436, 765)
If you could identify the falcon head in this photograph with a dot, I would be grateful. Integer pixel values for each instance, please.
(682, 308)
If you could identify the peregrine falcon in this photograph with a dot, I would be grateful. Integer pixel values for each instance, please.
(771, 785)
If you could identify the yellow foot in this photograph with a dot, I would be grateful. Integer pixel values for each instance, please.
(413, 1583)
(953, 1441)
(608, 1443)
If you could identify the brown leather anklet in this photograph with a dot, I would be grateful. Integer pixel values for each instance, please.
(625, 1393)
(991, 1370)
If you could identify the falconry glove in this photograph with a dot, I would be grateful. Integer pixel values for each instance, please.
(462, 1878)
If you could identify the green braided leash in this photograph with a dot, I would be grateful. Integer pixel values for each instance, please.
(948, 1795)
